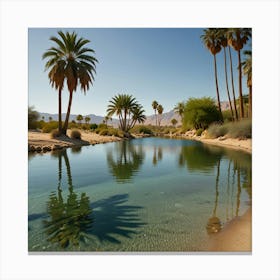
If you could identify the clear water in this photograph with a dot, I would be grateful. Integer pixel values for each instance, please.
(150, 194)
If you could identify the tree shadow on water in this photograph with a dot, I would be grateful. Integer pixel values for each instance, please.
(111, 217)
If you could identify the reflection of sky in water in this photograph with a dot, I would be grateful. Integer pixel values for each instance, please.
(148, 194)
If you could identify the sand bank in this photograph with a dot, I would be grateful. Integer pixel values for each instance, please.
(42, 142)
(236, 236)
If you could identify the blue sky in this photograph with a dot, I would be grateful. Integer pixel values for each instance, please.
(166, 64)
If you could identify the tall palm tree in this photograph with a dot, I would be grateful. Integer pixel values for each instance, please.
(160, 111)
(232, 84)
(154, 105)
(211, 41)
(73, 62)
(87, 119)
(122, 105)
(56, 75)
(224, 44)
(179, 109)
(237, 38)
(247, 70)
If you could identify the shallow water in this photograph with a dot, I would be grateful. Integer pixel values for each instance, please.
(150, 194)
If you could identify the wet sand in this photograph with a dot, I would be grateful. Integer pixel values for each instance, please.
(236, 236)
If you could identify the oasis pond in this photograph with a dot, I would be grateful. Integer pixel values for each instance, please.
(141, 195)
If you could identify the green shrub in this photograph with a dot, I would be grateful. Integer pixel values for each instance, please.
(72, 125)
(93, 126)
(199, 131)
(145, 130)
(102, 126)
(49, 126)
(217, 130)
(227, 116)
(75, 134)
(33, 117)
(55, 133)
(200, 113)
(104, 132)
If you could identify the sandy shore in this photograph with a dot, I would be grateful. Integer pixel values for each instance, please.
(236, 236)
(42, 142)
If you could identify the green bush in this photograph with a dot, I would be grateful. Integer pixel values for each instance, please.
(200, 113)
(75, 134)
(104, 132)
(33, 117)
(49, 126)
(145, 130)
(199, 131)
(93, 126)
(227, 116)
(102, 126)
(55, 133)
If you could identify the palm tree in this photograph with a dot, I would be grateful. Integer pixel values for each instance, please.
(179, 109)
(154, 105)
(123, 106)
(224, 44)
(160, 111)
(71, 61)
(79, 118)
(211, 41)
(87, 119)
(137, 116)
(247, 70)
(174, 122)
(237, 38)
(232, 84)
(50, 119)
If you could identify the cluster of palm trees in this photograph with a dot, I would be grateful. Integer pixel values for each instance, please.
(80, 118)
(158, 111)
(127, 109)
(217, 38)
(71, 62)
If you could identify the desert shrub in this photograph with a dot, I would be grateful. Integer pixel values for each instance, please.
(85, 126)
(33, 117)
(93, 126)
(145, 130)
(75, 134)
(104, 132)
(72, 125)
(49, 126)
(200, 113)
(199, 131)
(55, 133)
(217, 130)
(241, 129)
(102, 126)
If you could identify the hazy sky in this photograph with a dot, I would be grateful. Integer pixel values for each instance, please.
(167, 65)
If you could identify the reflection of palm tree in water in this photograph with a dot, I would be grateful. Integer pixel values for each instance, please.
(214, 224)
(157, 155)
(69, 220)
(127, 161)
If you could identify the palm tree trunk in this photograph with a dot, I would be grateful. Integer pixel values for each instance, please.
(232, 85)
(229, 100)
(156, 116)
(250, 101)
(64, 130)
(240, 86)
(217, 87)
(59, 112)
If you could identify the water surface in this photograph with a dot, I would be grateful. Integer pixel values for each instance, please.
(150, 194)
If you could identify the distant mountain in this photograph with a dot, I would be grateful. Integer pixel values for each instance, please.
(93, 118)
(165, 118)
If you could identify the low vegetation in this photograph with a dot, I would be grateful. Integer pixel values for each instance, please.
(241, 130)
(75, 134)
